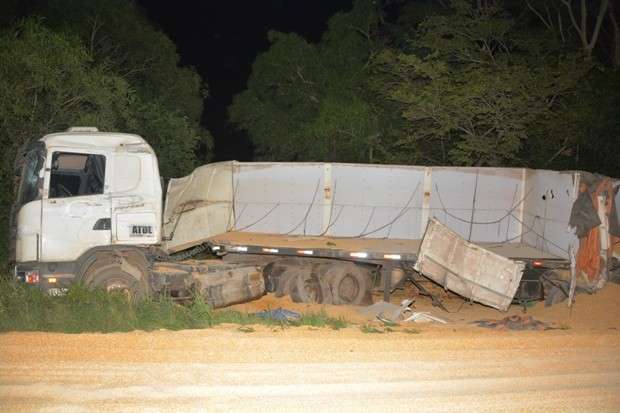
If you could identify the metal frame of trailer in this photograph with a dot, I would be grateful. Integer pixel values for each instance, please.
(394, 252)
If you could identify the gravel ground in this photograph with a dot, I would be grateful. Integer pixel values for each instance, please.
(443, 368)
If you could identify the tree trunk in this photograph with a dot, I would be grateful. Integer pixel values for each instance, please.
(616, 28)
(588, 41)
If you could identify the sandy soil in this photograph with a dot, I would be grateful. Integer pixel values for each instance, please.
(442, 368)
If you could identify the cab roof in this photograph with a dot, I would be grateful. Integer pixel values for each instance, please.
(92, 138)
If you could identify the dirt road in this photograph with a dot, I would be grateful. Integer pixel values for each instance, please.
(457, 367)
(228, 370)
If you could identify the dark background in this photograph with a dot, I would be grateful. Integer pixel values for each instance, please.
(222, 39)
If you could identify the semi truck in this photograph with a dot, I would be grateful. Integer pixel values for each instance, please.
(90, 208)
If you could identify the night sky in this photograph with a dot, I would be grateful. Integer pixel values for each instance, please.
(221, 39)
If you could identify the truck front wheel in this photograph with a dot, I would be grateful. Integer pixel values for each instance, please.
(124, 272)
(114, 280)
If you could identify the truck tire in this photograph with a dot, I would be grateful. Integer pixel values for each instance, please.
(272, 274)
(285, 283)
(349, 284)
(287, 278)
(112, 279)
(307, 289)
(118, 271)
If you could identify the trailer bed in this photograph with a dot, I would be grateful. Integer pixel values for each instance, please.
(351, 248)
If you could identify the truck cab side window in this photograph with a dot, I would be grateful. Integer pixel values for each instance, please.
(29, 188)
(76, 174)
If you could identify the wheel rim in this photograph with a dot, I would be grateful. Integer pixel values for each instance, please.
(348, 288)
(119, 286)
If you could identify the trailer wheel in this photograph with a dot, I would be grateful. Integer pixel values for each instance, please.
(273, 276)
(287, 279)
(349, 284)
(285, 283)
(306, 289)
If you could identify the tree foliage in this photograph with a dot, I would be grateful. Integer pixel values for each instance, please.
(117, 36)
(461, 82)
(97, 63)
(47, 82)
(310, 101)
(473, 87)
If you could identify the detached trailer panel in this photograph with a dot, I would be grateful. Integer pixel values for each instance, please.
(468, 269)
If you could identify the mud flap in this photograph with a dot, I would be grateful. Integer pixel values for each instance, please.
(466, 268)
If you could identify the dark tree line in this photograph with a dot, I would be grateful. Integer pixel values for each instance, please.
(530, 83)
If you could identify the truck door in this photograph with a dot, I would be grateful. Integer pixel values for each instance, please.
(76, 207)
(26, 223)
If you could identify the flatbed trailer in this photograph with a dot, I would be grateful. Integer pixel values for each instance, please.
(402, 253)
(372, 214)
(368, 249)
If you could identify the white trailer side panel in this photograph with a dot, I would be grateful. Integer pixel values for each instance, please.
(547, 208)
(279, 198)
(485, 205)
(376, 201)
(478, 203)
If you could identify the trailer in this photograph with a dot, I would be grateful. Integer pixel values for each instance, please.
(374, 215)
(89, 209)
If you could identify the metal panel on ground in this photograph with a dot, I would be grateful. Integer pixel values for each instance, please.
(468, 269)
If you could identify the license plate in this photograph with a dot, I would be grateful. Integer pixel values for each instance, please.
(56, 292)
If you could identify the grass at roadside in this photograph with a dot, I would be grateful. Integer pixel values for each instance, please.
(23, 308)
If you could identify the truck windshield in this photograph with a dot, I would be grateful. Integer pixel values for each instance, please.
(29, 188)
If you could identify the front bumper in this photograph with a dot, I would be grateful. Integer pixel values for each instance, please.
(43, 276)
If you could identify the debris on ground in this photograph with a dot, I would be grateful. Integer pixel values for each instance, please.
(388, 311)
(392, 313)
(424, 317)
(515, 322)
(279, 314)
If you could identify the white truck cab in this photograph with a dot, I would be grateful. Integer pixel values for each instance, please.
(83, 189)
